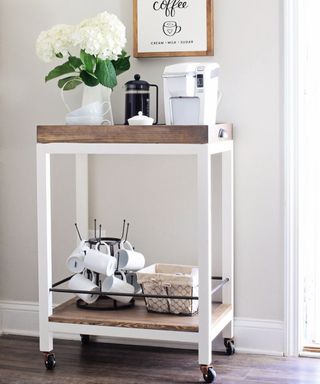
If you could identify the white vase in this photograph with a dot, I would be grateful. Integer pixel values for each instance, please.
(102, 95)
(95, 108)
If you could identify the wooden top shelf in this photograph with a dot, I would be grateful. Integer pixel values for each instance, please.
(135, 317)
(121, 134)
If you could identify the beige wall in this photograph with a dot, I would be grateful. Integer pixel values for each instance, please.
(247, 46)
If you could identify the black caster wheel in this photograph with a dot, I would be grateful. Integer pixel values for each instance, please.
(230, 349)
(210, 376)
(85, 339)
(50, 361)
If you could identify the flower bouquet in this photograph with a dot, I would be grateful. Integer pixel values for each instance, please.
(100, 39)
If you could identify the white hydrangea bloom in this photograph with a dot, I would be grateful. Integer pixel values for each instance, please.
(103, 36)
(55, 40)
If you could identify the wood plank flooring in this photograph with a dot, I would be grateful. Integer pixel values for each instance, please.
(96, 363)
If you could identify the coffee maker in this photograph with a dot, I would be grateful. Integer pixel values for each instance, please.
(191, 93)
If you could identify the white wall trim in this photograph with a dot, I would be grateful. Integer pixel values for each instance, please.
(259, 336)
(291, 121)
(314, 355)
(19, 318)
(251, 335)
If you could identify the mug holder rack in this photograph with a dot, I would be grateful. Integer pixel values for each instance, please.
(105, 303)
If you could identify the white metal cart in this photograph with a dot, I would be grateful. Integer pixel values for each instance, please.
(136, 322)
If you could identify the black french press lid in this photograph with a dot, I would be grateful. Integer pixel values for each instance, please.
(137, 84)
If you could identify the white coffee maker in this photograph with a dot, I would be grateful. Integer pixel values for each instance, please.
(191, 93)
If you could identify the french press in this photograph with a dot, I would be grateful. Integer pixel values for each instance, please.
(138, 98)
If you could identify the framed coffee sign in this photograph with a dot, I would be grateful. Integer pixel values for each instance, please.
(173, 28)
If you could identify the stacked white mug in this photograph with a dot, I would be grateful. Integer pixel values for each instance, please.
(99, 260)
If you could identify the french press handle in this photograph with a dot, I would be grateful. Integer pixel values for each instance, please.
(157, 101)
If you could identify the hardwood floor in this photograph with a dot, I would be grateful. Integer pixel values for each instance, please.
(96, 363)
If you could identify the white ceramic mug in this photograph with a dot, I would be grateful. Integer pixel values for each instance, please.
(85, 120)
(103, 247)
(114, 284)
(100, 262)
(126, 245)
(81, 283)
(132, 279)
(95, 108)
(123, 244)
(75, 262)
(89, 114)
(130, 260)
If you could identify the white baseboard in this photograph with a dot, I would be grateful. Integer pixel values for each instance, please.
(251, 335)
(259, 336)
(19, 318)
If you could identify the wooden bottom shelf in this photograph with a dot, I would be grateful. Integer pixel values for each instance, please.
(135, 317)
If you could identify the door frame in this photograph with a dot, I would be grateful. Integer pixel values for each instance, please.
(292, 121)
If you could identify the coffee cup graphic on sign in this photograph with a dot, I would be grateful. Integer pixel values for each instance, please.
(171, 28)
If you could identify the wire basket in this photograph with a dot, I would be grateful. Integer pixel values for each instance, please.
(170, 280)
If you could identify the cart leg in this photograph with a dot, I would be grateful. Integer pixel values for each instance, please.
(46, 340)
(227, 235)
(44, 247)
(204, 255)
(227, 333)
(81, 162)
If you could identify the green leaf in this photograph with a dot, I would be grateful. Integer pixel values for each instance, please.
(89, 79)
(69, 83)
(89, 61)
(106, 73)
(122, 64)
(59, 55)
(59, 71)
(75, 62)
